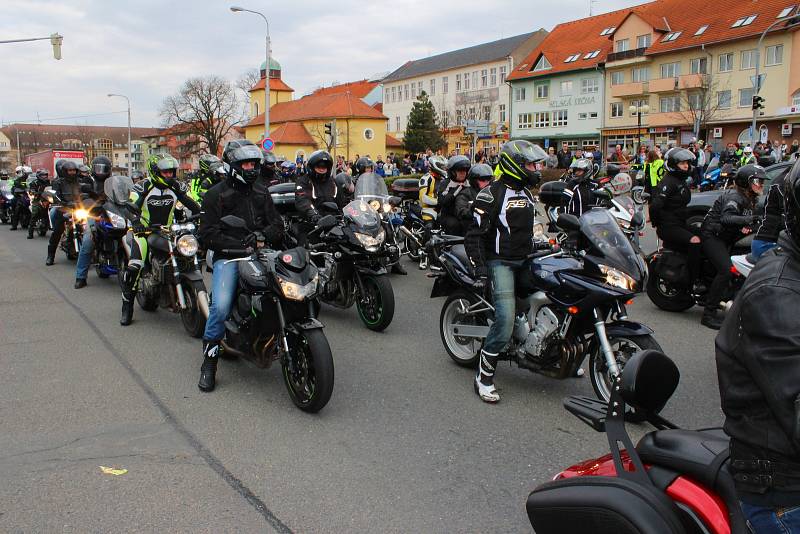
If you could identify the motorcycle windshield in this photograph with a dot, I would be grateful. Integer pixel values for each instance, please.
(370, 185)
(609, 245)
(713, 165)
(365, 219)
(118, 189)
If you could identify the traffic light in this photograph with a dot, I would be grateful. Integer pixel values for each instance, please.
(758, 102)
(56, 40)
(329, 129)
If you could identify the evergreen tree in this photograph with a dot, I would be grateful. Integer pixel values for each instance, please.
(422, 131)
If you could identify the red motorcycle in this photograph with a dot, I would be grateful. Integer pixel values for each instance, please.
(673, 481)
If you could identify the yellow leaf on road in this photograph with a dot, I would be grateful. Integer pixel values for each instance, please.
(112, 471)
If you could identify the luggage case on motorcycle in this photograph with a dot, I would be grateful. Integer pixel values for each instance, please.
(283, 197)
(406, 188)
(552, 193)
(673, 268)
(601, 505)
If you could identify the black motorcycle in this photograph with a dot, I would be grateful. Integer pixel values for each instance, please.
(76, 217)
(6, 202)
(569, 306)
(274, 318)
(352, 260)
(372, 189)
(110, 226)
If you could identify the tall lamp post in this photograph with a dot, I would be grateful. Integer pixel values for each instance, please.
(130, 161)
(639, 108)
(237, 9)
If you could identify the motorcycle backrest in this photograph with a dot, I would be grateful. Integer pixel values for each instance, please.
(568, 222)
(649, 379)
(233, 221)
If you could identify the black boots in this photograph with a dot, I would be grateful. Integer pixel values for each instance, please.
(30, 231)
(80, 283)
(711, 319)
(51, 255)
(128, 294)
(208, 371)
(399, 269)
(484, 380)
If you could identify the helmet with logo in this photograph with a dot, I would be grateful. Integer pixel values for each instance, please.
(19, 171)
(580, 170)
(163, 168)
(438, 165)
(515, 156)
(101, 168)
(480, 172)
(457, 163)
(320, 158)
(237, 155)
(677, 155)
(208, 164)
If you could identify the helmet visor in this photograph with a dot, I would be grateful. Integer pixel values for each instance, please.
(245, 153)
(101, 170)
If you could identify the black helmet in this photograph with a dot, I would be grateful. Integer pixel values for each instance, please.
(238, 153)
(161, 164)
(480, 172)
(319, 158)
(101, 168)
(750, 174)
(3, 175)
(515, 155)
(268, 161)
(137, 175)
(438, 165)
(364, 164)
(59, 165)
(677, 155)
(345, 181)
(42, 174)
(209, 163)
(68, 166)
(580, 170)
(84, 170)
(791, 200)
(457, 163)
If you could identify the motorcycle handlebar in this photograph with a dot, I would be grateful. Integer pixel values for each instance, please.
(234, 251)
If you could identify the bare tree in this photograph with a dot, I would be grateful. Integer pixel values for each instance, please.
(206, 107)
(703, 105)
(247, 80)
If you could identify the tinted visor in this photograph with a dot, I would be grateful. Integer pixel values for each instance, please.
(245, 153)
(101, 170)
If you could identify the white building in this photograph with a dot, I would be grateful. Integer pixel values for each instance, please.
(466, 84)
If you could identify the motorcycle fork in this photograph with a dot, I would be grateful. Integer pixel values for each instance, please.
(605, 346)
(176, 277)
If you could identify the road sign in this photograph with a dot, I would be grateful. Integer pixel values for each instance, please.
(761, 78)
(477, 127)
(267, 144)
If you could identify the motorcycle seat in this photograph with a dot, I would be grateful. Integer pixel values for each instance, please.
(460, 253)
(688, 452)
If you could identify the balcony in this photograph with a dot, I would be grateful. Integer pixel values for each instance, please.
(628, 89)
(673, 118)
(663, 85)
(627, 54)
(692, 81)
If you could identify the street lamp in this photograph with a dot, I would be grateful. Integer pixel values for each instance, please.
(639, 108)
(130, 161)
(792, 19)
(237, 9)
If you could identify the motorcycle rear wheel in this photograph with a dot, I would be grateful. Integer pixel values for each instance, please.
(146, 302)
(376, 306)
(462, 350)
(666, 296)
(194, 322)
(309, 375)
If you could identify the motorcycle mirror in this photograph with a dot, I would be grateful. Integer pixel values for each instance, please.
(394, 201)
(327, 222)
(233, 221)
(568, 222)
(649, 380)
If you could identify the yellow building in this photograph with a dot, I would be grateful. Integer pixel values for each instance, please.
(278, 90)
(694, 69)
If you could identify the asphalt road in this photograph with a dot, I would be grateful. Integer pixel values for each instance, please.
(403, 446)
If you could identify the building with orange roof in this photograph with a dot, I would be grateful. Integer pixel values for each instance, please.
(278, 90)
(367, 90)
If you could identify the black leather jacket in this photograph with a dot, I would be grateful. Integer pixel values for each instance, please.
(758, 365)
(71, 190)
(463, 205)
(772, 222)
(670, 198)
(310, 195)
(731, 212)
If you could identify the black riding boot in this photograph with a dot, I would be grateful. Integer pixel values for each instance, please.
(51, 254)
(208, 371)
(484, 380)
(716, 292)
(128, 295)
(30, 230)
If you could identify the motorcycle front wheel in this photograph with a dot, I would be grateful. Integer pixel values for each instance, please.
(308, 370)
(193, 318)
(461, 349)
(376, 304)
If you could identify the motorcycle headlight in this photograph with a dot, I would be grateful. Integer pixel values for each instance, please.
(616, 278)
(293, 291)
(9, 196)
(80, 215)
(189, 227)
(187, 245)
(116, 220)
(371, 243)
(538, 232)
(376, 205)
(387, 208)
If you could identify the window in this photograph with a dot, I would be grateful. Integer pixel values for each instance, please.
(458, 82)
(701, 30)
(493, 76)
(744, 21)
(394, 94)
(670, 70)
(572, 58)
(639, 104)
(785, 12)
(433, 86)
(397, 124)
(724, 99)
(413, 90)
(541, 119)
(475, 79)
(695, 101)
(589, 85)
(746, 97)
(617, 77)
(616, 110)
(524, 121)
(503, 74)
(487, 113)
(582, 116)
(471, 114)
(484, 78)
(640, 74)
(608, 31)
(405, 91)
(726, 62)
(796, 99)
(369, 134)
(669, 104)
(591, 55)
(774, 55)
(592, 114)
(622, 45)
(566, 88)
(502, 109)
(560, 117)
(643, 41)
(519, 94)
(459, 117)
(699, 65)
(466, 81)
(542, 64)
(445, 81)
(671, 37)
(748, 59)
(542, 90)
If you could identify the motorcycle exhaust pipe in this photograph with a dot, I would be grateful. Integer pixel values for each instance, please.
(202, 303)
(237, 353)
(409, 234)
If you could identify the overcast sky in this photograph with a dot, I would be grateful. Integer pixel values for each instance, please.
(145, 49)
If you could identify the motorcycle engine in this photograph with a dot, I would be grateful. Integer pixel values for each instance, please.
(545, 324)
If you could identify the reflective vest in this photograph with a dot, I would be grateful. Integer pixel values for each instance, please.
(655, 171)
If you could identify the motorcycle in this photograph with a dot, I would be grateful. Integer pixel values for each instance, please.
(21, 206)
(372, 189)
(672, 481)
(76, 217)
(274, 318)
(42, 223)
(110, 227)
(573, 304)
(6, 203)
(173, 279)
(352, 259)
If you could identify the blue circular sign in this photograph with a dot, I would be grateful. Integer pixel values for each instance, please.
(267, 143)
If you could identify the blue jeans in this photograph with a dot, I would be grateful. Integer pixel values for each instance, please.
(85, 255)
(772, 520)
(502, 277)
(759, 247)
(223, 290)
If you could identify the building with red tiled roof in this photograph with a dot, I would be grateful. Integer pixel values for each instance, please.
(366, 90)
(279, 91)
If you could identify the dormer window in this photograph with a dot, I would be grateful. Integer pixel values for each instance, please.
(701, 30)
(573, 57)
(785, 12)
(608, 31)
(542, 64)
(745, 21)
(591, 55)
(671, 37)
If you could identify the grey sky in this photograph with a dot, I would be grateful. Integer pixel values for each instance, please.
(147, 48)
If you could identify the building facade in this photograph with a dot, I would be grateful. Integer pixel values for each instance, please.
(463, 85)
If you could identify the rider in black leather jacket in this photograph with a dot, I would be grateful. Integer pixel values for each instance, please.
(758, 365)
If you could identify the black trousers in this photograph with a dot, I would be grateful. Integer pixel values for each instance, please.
(718, 252)
(59, 222)
(678, 238)
(452, 225)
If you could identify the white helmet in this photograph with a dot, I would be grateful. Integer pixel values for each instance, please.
(748, 149)
(20, 171)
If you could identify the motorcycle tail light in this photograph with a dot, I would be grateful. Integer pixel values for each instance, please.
(573, 310)
(735, 271)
